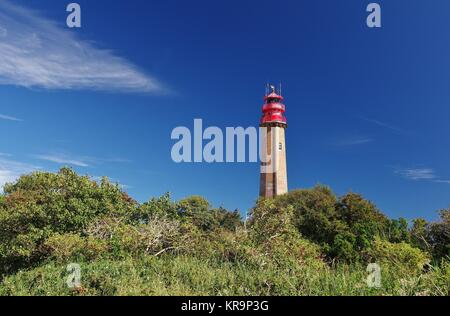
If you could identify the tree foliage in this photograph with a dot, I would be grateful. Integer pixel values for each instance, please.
(439, 236)
(343, 226)
(62, 217)
(398, 256)
(42, 204)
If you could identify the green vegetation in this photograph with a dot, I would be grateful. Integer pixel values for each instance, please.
(308, 242)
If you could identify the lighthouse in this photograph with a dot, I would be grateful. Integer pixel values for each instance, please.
(273, 175)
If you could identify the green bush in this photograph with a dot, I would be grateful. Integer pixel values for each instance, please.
(73, 247)
(399, 256)
(344, 227)
(269, 220)
(307, 242)
(156, 235)
(439, 236)
(194, 209)
(273, 233)
(189, 275)
(161, 207)
(42, 204)
(433, 237)
(197, 211)
(344, 247)
(314, 213)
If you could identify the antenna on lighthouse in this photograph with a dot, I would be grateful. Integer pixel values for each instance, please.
(280, 89)
(273, 88)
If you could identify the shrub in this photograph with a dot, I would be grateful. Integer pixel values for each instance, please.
(196, 210)
(274, 235)
(221, 245)
(439, 236)
(228, 220)
(268, 220)
(401, 256)
(42, 204)
(314, 213)
(398, 231)
(189, 248)
(74, 247)
(158, 234)
(419, 234)
(344, 227)
(344, 248)
(160, 207)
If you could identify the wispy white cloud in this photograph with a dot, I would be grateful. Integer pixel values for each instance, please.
(442, 181)
(113, 160)
(3, 32)
(9, 118)
(37, 53)
(77, 160)
(384, 125)
(354, 141)
(63, 159)
(11, 170)
(419, 174)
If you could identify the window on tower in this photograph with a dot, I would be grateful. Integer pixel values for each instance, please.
(280, 146)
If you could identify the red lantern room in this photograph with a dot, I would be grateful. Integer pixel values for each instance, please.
(273, 109)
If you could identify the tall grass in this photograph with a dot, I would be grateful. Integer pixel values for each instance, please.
(189, 275)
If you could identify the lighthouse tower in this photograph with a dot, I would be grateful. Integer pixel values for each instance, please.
(273, 181)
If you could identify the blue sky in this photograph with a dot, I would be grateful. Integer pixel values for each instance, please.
(368, 109)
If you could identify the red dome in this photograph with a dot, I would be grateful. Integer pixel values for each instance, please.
(273, 110)
(273, 95)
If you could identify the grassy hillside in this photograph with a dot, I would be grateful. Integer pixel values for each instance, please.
(308, 242)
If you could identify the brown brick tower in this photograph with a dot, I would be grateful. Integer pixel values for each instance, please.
(273, 181)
